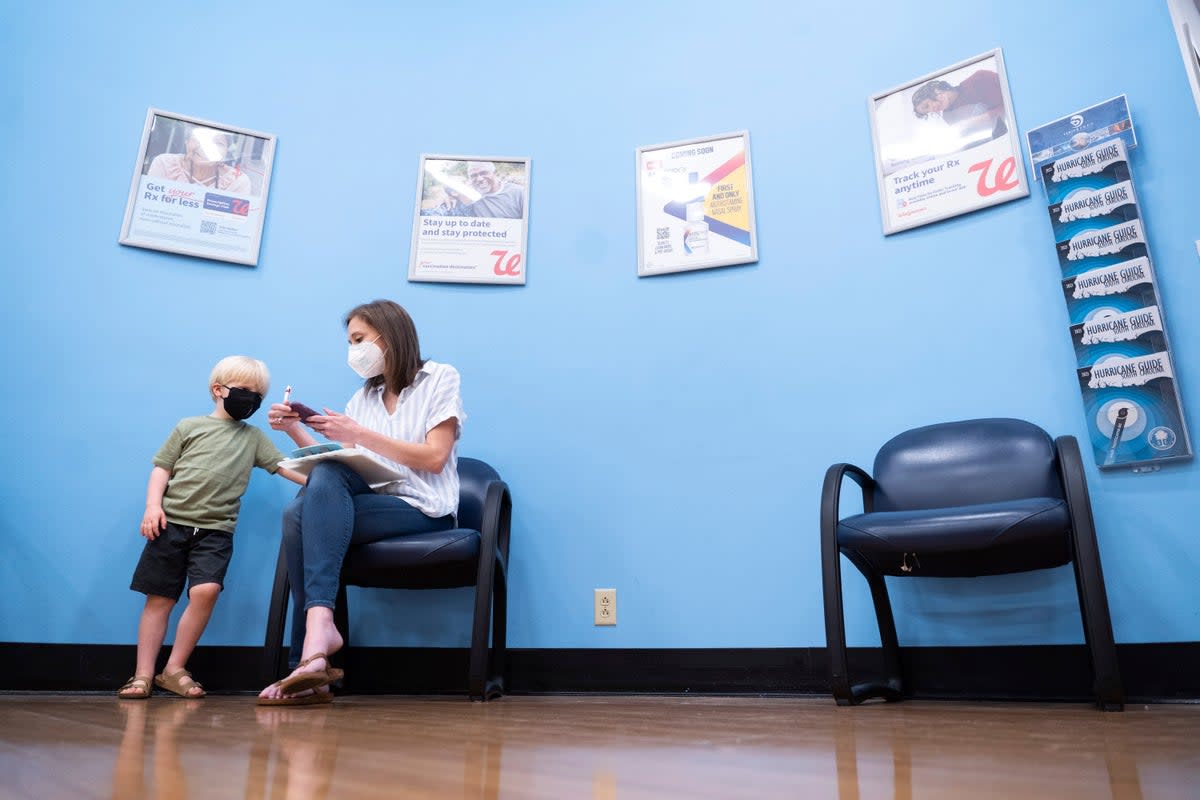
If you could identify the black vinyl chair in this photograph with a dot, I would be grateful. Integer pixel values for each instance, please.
(963, 499)
(473, 554)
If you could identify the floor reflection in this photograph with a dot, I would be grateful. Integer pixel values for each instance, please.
(300, 753)
(603, 748)
(293, 754)
(481, 770)
(148, 758)
(1094, 763)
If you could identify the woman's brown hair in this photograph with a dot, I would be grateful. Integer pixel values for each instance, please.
(401, 349)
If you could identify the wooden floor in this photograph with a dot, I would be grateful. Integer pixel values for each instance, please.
(600, 747)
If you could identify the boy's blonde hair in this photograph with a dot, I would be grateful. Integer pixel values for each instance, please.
(241, 369)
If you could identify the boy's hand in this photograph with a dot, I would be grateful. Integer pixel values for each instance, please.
(154, 522)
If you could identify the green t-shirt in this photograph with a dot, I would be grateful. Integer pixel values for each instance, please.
(210, 461)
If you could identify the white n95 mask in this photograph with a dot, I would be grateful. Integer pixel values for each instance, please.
(366, 359)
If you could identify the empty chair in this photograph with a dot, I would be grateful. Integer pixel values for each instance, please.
(963, 499)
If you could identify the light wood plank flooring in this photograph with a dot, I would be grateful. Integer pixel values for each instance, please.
(599, 747)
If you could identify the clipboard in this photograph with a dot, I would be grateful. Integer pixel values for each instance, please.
(374, 472)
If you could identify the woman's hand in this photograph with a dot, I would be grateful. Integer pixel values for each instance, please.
(336, 427)
(282, 417)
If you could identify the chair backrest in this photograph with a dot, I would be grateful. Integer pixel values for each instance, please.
(966, 463)
(473, 478)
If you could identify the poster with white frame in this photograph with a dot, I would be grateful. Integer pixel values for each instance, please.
(946, 144)
(695, 205)
(471, 223)
(199, 188)
(1185, 16)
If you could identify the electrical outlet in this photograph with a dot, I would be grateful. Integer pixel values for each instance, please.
(606, 606)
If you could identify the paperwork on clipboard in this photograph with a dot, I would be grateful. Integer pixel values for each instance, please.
(374, 472)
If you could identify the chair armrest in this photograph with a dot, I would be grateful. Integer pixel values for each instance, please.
(831, 492)
(1079, 501)
(496, 520)
(831, 500)
(831, 573)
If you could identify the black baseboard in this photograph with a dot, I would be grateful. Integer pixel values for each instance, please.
(1151, 672)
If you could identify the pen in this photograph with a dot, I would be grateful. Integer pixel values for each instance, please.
(287, 393)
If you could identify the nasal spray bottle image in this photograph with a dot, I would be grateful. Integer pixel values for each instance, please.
(695, 232)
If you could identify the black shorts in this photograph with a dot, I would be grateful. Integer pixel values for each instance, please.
(179, 554)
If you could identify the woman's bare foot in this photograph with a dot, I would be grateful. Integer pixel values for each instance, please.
(321, 636)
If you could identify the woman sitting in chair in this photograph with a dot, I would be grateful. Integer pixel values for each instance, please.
(408, 415)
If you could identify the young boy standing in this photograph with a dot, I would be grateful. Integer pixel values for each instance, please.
(192, 501)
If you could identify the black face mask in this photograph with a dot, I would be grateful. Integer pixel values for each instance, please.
(241, 403)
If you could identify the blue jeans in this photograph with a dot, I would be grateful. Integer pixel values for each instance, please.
(336, 509)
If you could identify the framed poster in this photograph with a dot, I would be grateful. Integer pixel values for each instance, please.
(472, 220)
(695, 205)
(199, 188)
(946, 144)
(1185, 15)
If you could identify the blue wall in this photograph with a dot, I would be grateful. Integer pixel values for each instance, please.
(665, 436)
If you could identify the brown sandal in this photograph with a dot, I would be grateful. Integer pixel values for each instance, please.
(179, 682)
(139, 682)
(311, 680)
(313, 698)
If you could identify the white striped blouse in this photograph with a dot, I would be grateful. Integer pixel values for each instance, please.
(432, 399)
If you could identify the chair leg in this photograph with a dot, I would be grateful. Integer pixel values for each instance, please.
(892, 688)
(498, 681)
(478, 669)
(274, 654)
(835, 623)
(1089, 580)
(1097, 624)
